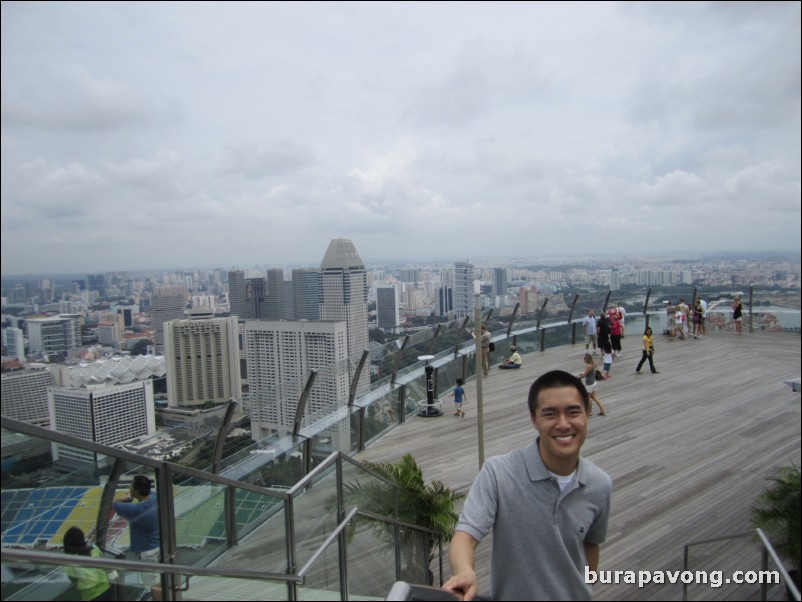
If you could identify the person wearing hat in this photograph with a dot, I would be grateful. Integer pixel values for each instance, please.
(93, 584)
(514, 361)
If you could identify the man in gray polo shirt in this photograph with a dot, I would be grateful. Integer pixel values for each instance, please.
(548, 507)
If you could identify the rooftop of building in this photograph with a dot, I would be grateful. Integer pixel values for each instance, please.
(688, 449)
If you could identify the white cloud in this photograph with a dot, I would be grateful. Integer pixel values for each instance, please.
(165, 134)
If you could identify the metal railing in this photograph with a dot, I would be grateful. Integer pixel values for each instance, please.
(297, 568)
(767, 552)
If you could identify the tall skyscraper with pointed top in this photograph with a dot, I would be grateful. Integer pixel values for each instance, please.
(344, 297)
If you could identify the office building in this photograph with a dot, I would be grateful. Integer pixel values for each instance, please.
(306, 293)
(247, 297)
(344, 297)
(54, 336)
(274, 301)
(445, 301)
(280, 357)
(387, 314)
(110, 415)
(14, 340)
(463, 289)
(202, 360)
(168, 303)
(24, 395)
(499, 281)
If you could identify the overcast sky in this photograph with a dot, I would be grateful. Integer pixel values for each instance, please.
(149, 135)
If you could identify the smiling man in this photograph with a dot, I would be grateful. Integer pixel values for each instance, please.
(547, 506)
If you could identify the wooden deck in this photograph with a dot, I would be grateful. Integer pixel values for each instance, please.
(688, 449)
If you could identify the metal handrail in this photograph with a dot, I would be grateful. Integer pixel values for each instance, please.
(766, 550)
(50, 558)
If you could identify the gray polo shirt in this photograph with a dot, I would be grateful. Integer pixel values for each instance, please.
(538, 531)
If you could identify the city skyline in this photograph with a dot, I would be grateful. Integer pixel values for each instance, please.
(168, 135)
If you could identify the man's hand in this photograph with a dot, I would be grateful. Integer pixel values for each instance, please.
(462, 555)
(463, 585)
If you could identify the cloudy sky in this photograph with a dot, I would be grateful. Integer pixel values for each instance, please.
(203, 134)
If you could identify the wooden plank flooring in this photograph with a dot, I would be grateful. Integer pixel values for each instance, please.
(688, 449)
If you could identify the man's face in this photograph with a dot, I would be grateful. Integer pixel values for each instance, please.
(562, 423)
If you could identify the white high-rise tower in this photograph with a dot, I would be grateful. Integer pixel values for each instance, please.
(344, 297)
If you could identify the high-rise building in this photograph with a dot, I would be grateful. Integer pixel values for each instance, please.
(499, 281)
(274, 301)
(55, 336)
(168, 303)
(109, 415)
(306, 293)
(24, 395)
(14, 340)
(344, 297)
(247, 296)
(280, 357)
(463, 289)
(388, 317)
(202, 361)
(445, 301)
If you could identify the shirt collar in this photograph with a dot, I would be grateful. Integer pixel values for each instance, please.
(538, 471)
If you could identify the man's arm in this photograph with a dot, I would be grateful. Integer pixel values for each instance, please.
(592, 555)
(462, 555)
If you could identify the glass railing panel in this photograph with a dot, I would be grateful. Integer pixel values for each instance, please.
(415, 555)
(262, 535)
(39, 581)
(364, 491)
(335, 436)
(314, 513)
(381, 416)
(371, 559)
(322, 580)
(713, 564)
(277, 462)
(200, 525)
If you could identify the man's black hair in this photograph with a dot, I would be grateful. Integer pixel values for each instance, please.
(555, 380)
(141, 485)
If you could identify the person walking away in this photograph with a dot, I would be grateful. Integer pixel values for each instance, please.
(546, 505)
(588, 377)
(648, 352)
(459, 396)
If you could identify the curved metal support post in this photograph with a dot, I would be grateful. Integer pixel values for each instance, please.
(465, 367)
(402, 404)
(542, 311)
(398, 359)
(430, 350)
(107, 501)
(299, 411)
(646, 302)
(606, 300)
(488, 316)
(170, 583)
(355, 380)
(573, 307)
(465, 322)
(542, 340)
(693, 297)
(513, 317)
(751, 319)
(221, 435)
